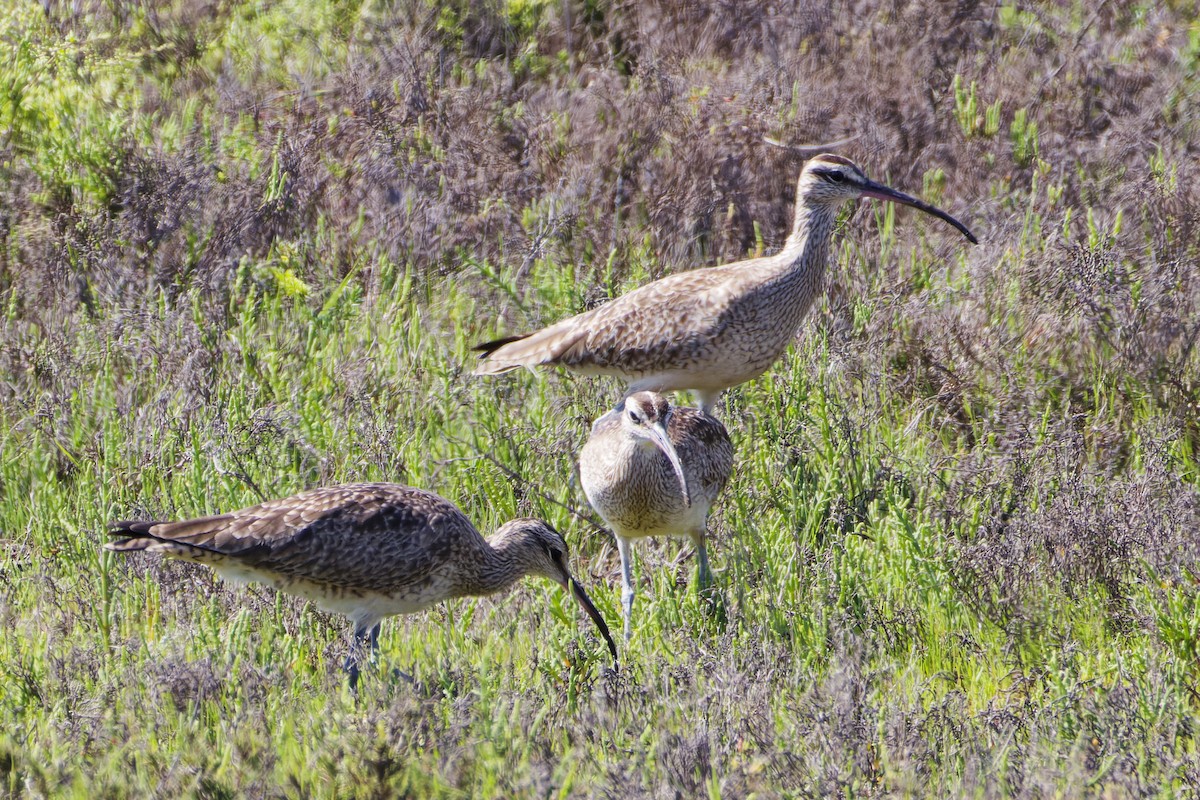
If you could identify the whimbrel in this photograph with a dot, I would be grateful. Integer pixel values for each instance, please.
(366, 550)
(652, 469)
(708, 329)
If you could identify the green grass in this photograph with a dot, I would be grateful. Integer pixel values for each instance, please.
(832, 565)
(957, 555)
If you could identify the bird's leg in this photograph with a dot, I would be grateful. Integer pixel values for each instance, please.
(627, 591)
(704, 578)
(366, 649)
(374, 643)
(712, 599)
(364, 638)
(706, 401)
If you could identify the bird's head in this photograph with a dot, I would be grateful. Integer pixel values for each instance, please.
(543, 551)
(829, 180)
(645, 417)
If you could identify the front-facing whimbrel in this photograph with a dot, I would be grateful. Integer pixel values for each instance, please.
(366, 550)
(653, 469)
(708, 329)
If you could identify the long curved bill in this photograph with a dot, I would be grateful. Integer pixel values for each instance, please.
(881, 192)
(581, 596)
(658, 434)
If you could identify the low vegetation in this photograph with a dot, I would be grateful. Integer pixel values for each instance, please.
(245, 249)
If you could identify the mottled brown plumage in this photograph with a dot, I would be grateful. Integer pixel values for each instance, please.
(708, 329)
(653, 469)
(366, 550)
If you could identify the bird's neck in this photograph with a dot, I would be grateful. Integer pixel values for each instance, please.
(503, 565)
(794, 275)
(808, 244)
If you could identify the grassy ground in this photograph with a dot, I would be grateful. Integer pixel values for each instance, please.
(245, 248)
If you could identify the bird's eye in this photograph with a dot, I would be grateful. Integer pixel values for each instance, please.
(556, 555)
(635, 418)
(834, 177)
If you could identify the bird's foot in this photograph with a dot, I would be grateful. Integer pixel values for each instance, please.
(352, 674)
(712, 600)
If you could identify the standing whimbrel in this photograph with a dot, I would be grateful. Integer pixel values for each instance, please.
(366, 550)
(708, 329)
(653, 469)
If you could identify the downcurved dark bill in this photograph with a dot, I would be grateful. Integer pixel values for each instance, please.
(658, 434)
(581, 596)
(881, 192)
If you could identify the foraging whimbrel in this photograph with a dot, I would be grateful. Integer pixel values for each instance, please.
(653, 469)
(366, 550)
(708, 329)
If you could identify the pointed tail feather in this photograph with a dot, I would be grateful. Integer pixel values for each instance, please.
(136, 535)
(531, 349)
(487, 365)
(487, 348)
(178, 538)
(190, 540)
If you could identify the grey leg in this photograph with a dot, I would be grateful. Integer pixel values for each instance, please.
(627, 590)
(366, 643)
(712, 599)
(703, 573)
(706, 401)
